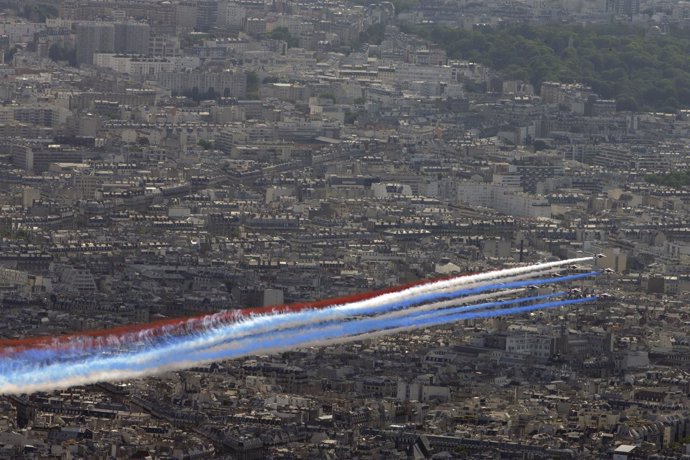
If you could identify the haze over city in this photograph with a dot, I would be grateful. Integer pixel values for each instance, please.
(408, 229)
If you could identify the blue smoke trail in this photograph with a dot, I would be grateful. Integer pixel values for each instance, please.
(54, 375)
(315, 316)
(224, 335)
(449, 309)
(48, 356)
(435, 296)
(359, 327)
(222, 317)
(271, 322)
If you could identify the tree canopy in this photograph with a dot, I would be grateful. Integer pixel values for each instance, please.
(676, 179)
(401, 6)
(282, 33)
(252, 85)
(641, 71)
(38, 12)
(61, 52)
(373, 35)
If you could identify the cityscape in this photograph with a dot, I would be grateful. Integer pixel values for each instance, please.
(171, 159)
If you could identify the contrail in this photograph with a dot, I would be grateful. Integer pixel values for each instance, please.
(371, 325)
(224, 335)
(256, 326)
(185, 325)
(376, 306)
(277, 322)
(406, 328)
(172, 352)
(127, 367)
(112, 355)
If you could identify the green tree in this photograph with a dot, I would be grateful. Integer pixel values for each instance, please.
(252, 85)
(204, 144)
(282, 33)
(61, 52)
(617, 61)
(351, 117)
(330, 96)
(9, 54)
(38, 12)
(540, 145)
(676, 179)
(373, 35)
(56, 52)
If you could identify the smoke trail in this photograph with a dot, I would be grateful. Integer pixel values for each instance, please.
(367, 307)
(43, 355)
(235, 331)
(364, 326)
(129, 359)
(246, 329)
(451, 305)
(289, 320)
(123, 367)
(395, 330)
(225, 335)
(126, 334)
(39, 363)
(79, 345)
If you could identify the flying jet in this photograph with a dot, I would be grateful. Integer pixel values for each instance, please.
(574, 293)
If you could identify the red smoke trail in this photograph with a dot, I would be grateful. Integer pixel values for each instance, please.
(191, 323)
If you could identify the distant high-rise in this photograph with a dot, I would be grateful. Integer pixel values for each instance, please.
(94, 38)
(227, 83)
(626, 7)
(207, 12)
(164, 46)
(234, 16)
(132, 37)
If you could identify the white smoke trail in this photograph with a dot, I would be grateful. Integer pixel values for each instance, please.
(187, 345)
(468, 281)
(282, 343)
(382, 326)
(80, 344)
(201, 341)
(254, 326)
(343, 310)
